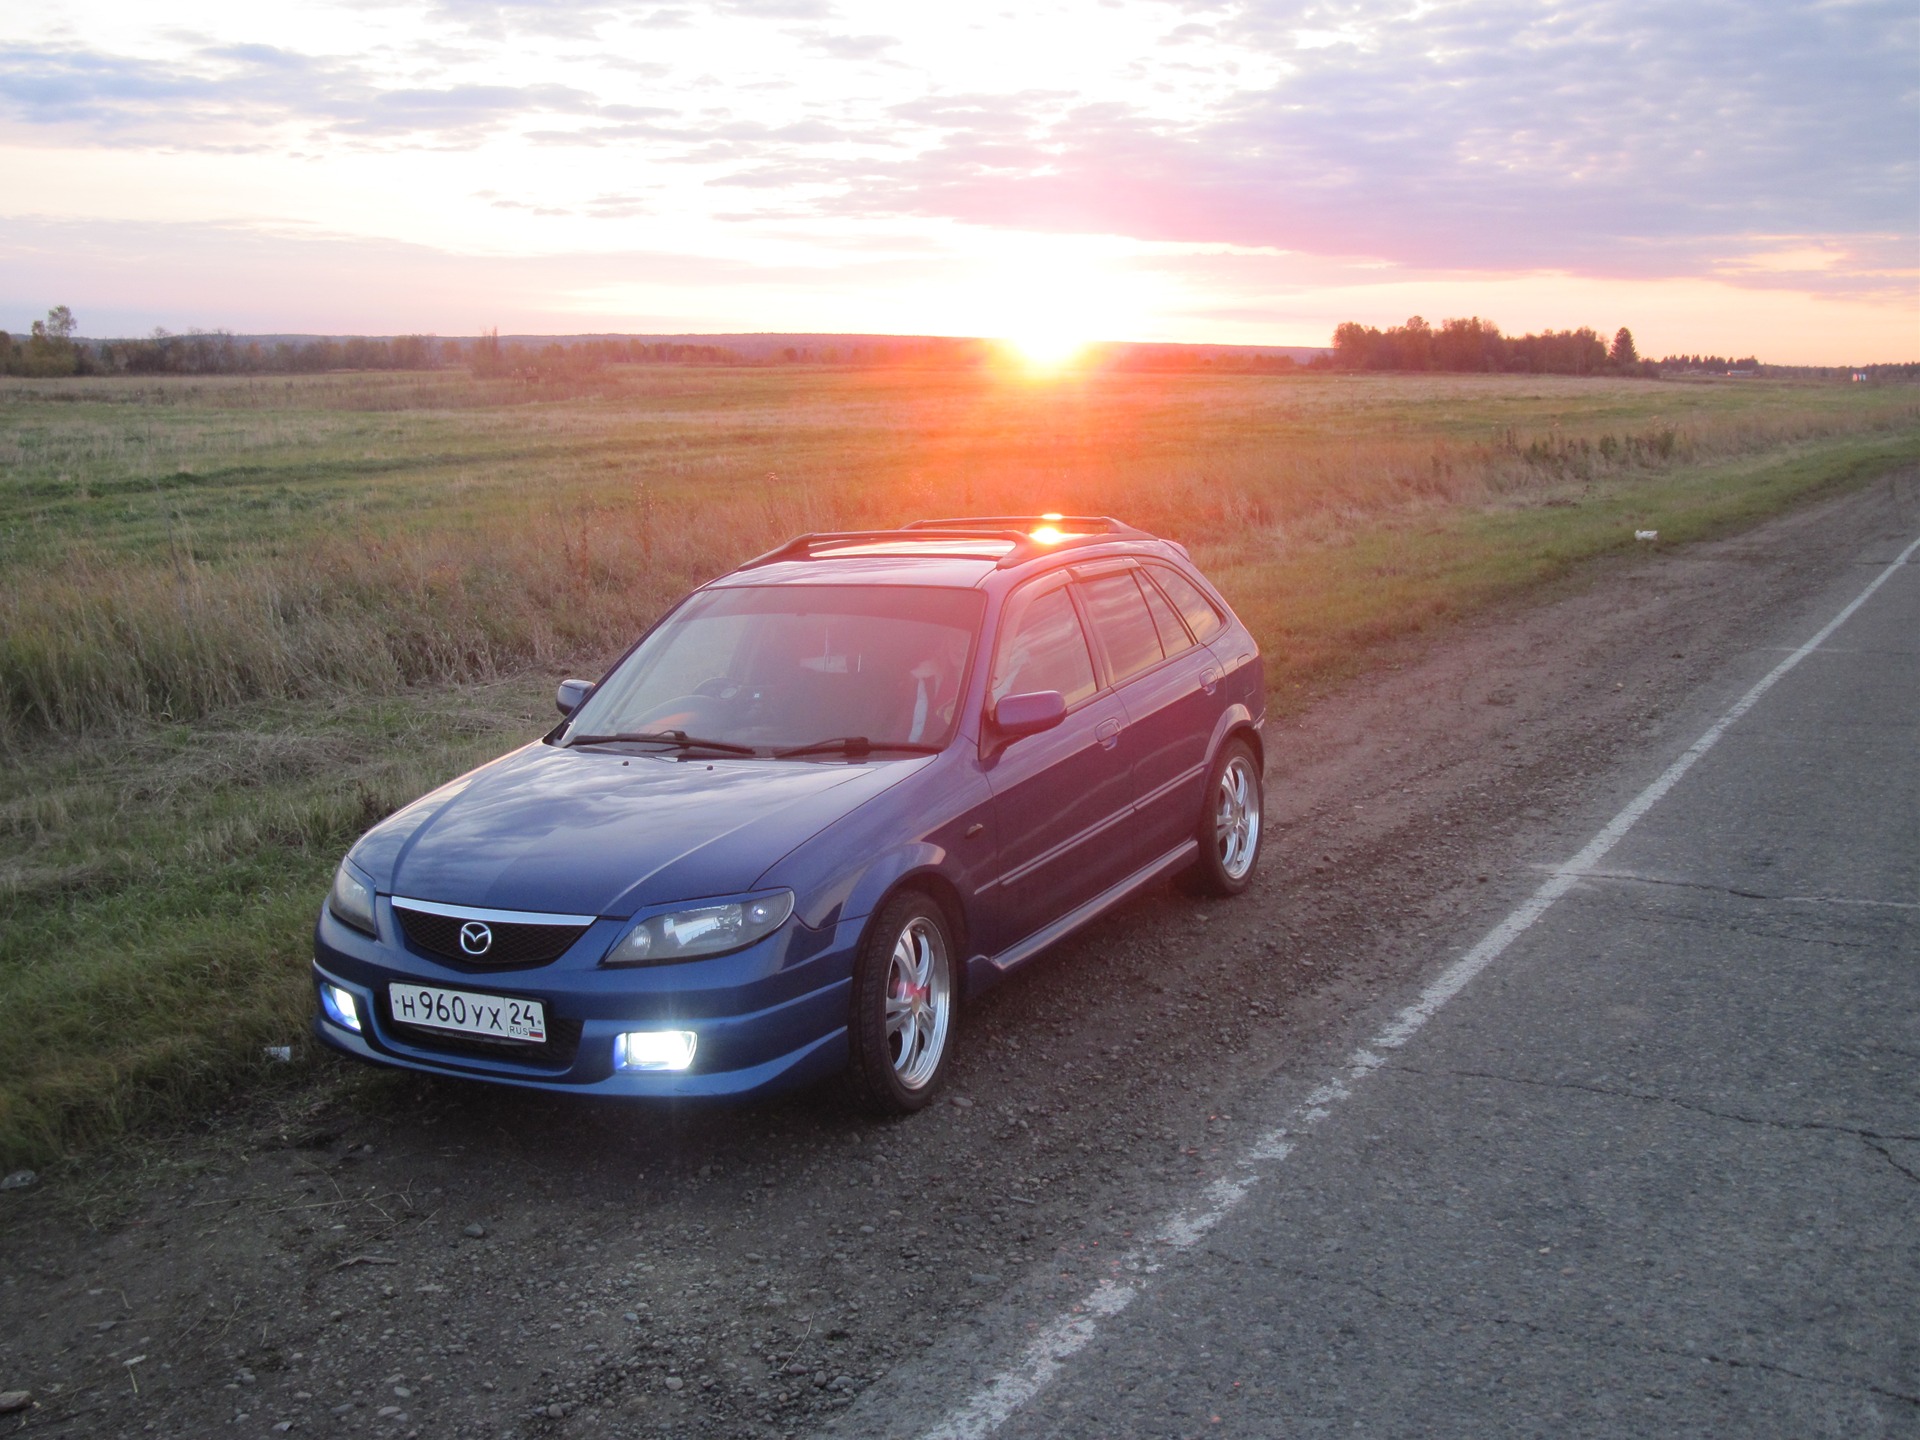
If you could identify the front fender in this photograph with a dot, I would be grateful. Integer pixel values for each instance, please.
(938, 822)
(880, 878)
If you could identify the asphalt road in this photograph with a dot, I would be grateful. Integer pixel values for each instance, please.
(1653, 1170)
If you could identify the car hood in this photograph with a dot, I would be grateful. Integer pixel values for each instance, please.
(607, 831)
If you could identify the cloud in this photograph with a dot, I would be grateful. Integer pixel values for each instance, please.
(1767, 145)
(774, 9)
(1616, 136)
(501, 19)
(620, 205)
(978, 114)
(124, 277)
(527, 207)
(452, 110)
(222, 98)
(48, 86)
(847, 47)
(645, 69)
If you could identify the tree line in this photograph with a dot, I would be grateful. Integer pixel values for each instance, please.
(1710, 364)
(1476, 345)
(53, 349)
(1459, 345)
(48, 349)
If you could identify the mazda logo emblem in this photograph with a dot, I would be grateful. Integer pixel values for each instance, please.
(475, 938)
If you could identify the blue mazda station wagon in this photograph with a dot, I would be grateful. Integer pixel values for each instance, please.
(822, 803)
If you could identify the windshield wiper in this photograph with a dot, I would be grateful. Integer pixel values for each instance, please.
(678, 738)
(854, 747)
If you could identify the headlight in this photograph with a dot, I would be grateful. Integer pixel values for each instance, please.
(706, 930)
(351, 899)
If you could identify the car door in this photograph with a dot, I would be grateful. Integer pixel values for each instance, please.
(1170, 687)
(1061, 798)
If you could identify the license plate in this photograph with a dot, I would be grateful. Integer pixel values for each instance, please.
(467, 1013)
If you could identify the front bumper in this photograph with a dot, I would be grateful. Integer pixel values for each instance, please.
(769, 1017)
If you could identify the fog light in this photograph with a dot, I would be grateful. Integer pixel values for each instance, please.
(654, 1050)
(340, 1007)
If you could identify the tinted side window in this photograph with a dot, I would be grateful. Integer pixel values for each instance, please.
(1201, 617)
(1045, 650)
(1120, 619)
(1173, 635)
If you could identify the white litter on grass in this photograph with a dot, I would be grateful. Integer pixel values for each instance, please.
(1646, 534)
(1059, 1340)
(279, 1054)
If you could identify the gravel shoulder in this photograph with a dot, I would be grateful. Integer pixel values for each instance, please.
(359, 1253)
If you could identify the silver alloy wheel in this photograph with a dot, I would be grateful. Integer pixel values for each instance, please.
(919, 1002)
(1236, 825)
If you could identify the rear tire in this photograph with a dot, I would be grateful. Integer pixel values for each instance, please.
(906, 1005)
(1231, 825)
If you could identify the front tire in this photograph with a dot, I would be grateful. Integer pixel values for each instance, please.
(1230, 822)
(906, 1004)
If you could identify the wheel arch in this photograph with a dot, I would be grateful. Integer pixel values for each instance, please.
(1245, 730)
(944, 893)
(875, 1074)
(1236, 722)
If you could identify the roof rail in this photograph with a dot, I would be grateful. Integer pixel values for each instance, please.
(1015, 530)
(1066, 524)
(802, 547)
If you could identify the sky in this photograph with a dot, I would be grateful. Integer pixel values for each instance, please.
(1726, 176)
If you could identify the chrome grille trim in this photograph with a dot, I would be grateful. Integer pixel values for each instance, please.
(494, 917)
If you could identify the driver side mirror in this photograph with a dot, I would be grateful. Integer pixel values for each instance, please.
(570, 694)
(1018, 716)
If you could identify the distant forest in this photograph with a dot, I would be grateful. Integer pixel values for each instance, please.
(1477, 345)
(53, 348)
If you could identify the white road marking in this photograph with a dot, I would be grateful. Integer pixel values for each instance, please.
(1066, 1335)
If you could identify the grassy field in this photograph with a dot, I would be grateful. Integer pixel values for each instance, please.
(239, 620)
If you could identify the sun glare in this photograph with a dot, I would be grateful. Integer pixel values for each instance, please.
(1047, 350)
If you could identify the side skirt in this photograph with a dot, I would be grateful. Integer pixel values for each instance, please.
(983, 970)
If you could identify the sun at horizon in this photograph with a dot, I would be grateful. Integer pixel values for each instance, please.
(1047, 351)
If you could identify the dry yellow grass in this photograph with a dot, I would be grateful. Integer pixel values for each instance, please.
(173, 548)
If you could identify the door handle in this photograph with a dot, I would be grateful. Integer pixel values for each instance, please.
(1209, 678)
(1108, 732)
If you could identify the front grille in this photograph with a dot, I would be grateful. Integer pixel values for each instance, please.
(513, 944)
(556, 1052)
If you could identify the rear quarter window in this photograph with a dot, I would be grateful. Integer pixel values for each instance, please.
(1202, 619)
(1173, 632)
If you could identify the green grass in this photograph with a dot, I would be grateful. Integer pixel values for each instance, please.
(1320, 606)
(239, 620)
(160, 888)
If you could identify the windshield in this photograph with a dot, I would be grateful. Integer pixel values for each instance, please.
(783, 666)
